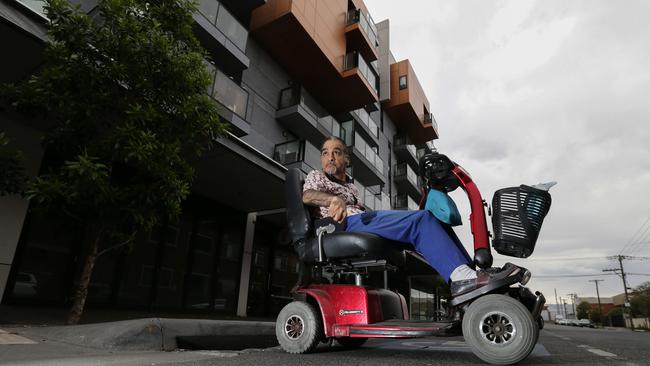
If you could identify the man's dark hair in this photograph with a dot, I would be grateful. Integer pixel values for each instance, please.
(346, 152)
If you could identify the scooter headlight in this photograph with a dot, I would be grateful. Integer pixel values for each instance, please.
(525, 277)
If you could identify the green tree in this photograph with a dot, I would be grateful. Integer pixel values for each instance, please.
(12, 176)
(125, 96)
(583, 309)
(640, 300)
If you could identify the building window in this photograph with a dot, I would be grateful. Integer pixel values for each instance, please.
(402, 82)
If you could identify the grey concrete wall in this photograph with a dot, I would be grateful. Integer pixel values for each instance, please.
(13, 208)
(384, 60)
(264, 79)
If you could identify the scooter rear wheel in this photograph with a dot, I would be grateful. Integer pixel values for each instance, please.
(499, 329)
(299, 327)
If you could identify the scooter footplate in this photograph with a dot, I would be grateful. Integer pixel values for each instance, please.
(396, 329)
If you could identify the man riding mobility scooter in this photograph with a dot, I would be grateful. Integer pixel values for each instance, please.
(500, 321)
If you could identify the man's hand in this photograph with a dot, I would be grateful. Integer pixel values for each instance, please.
(337, 209)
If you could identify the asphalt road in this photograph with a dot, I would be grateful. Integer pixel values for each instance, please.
(557, 345)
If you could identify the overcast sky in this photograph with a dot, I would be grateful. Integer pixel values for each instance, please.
(535, 91)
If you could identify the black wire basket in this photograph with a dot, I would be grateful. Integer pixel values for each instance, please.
(518, 214)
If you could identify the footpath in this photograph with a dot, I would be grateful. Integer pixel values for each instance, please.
(33, 335)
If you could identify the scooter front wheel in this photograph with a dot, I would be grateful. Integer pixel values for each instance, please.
(299, 327)
(499, 329)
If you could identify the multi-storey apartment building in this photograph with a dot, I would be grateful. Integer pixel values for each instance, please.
(287, 74)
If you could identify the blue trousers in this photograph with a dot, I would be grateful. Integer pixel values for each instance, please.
(435, 241)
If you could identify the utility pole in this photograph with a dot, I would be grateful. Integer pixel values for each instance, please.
(622, 274)
(557, 304)
(600, 309)
(564, 307)
(573, 297)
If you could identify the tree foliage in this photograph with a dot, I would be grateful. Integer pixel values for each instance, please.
(640, 301)
(583, 309)
(123, 96)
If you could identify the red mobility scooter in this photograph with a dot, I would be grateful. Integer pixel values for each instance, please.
(500, 321)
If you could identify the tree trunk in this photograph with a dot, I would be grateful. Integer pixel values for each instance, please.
(81, 292)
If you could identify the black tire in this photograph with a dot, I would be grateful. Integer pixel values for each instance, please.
(499, 329)
(299, 327)
(350, 342)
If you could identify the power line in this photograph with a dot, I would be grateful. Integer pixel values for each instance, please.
(563, 258)
(633, 238)
(573, 275)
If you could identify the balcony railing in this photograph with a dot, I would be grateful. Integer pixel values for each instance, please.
(404, 202)
(37, 6)
(402, 140)
(366, 24)
(364, 117)
(227, 92)
(332, 126)
(297, 151)
(372, 199)
(354, 59)
(403, 170)
(368, 152)
(221, 18)
(428, 118)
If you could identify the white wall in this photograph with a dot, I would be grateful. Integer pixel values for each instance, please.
(13, 208)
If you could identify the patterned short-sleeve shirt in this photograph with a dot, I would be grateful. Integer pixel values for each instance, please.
(317, 180)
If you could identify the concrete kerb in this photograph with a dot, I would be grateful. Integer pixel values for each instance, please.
(151, 334)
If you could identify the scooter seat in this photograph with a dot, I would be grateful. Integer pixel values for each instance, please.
(343, 245)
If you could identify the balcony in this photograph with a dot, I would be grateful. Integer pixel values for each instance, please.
(406, 180)
(368, 166)
(404, 202)
(361, 34)
(356, 69)
(222, 36)
(297, 154)
(242, 9)
(372, 197)
(297, 111)
(405, 151)
(408, 106)
(367, 125)
(232, 99)
(308, 40)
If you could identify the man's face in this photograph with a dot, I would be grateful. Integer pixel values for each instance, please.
(332, 158)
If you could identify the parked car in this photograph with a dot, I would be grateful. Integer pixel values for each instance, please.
(585, 323)
(574, 322)
(562, 322)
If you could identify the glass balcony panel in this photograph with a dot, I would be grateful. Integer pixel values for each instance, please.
(369, 199)
(385, 201)
(348, 128)
(379, 164)
(209, 9)
(312, 156)
(420, 153)
(373, 127)
(412, 205)
(231, 95)
(412, 149)
(336, 128)
(288, 152)
(289, 97)
(411, 176)
(231, 28)
(354, 59)
(38, 6)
